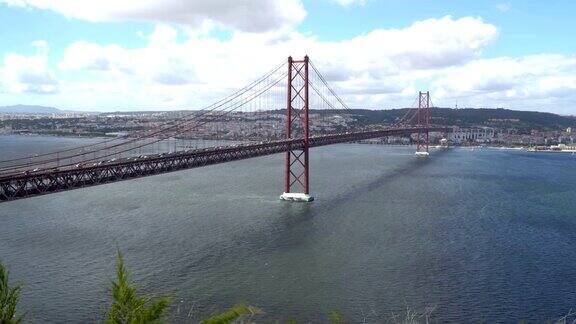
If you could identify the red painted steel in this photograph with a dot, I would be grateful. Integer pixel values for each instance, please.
(306, 128)
(288, 125)
(29, 184)
(297, 170)
(423, 121)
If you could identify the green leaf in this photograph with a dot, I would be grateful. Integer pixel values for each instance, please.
(232, 314)
(127, 306)
(8, 299)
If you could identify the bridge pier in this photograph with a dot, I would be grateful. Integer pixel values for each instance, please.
(297, 171)
(423, 115)
(300, 197)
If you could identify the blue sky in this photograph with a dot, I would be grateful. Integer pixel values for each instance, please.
(75, 55)
(527, 26)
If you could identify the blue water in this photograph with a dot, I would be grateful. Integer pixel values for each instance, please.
(483, 235)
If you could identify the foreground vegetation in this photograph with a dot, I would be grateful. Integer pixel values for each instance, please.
(8, 299)
(130, 307)
(127, 306)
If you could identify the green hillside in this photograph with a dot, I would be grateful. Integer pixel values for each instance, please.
(502, 118)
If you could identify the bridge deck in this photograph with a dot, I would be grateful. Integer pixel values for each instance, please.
(32, 183)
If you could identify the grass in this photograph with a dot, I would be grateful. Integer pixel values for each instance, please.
(234, 314)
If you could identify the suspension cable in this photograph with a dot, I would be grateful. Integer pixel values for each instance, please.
(216, 105)
(194, 115)
(238, 105)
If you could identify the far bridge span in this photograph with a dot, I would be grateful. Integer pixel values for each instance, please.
(60, 171)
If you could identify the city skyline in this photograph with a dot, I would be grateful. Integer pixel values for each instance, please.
(150, 56)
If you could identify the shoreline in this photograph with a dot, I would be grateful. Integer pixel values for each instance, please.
(553, 151)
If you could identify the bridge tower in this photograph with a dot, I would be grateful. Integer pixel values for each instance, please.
(296, 173)
(423, 124)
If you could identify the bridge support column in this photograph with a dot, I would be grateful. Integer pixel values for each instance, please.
(423, 115)
(297, 171)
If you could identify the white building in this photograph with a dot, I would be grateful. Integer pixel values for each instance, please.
(472, 134)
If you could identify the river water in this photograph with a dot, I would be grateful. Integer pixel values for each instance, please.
(474, 235)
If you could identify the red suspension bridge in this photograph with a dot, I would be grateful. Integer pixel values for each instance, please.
(297, 104)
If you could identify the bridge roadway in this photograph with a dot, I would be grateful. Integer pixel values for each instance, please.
(33, 183)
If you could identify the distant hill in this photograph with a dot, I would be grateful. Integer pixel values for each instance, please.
(463, 117)
(501, 118)
(25, 109)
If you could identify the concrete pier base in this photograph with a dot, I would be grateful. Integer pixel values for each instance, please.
(300, 197)
(421, 154)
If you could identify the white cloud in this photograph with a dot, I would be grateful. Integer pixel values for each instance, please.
(183, 68)
(244, 15)
(28, 74)
(89, 56)
(382, 64)
(525, 83)
(427, 44)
